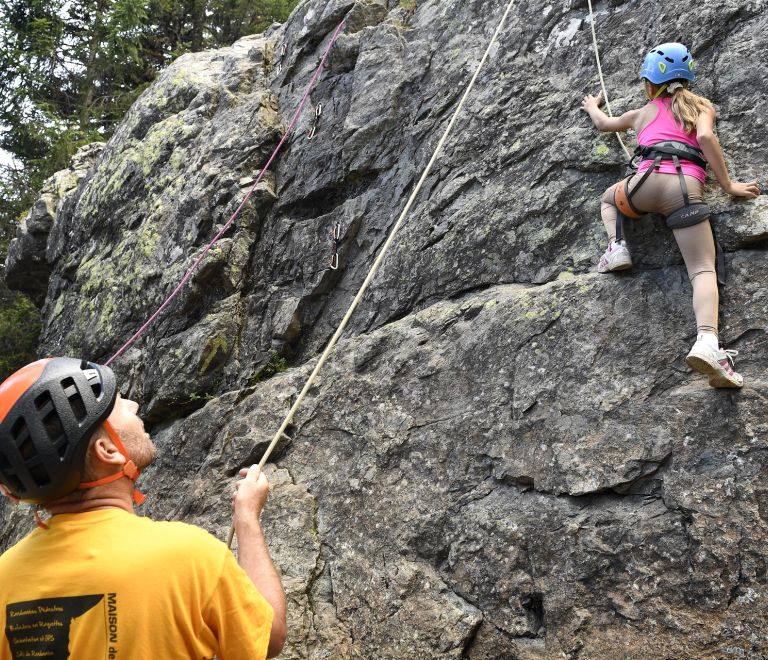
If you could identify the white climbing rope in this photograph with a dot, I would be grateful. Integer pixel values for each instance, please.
(600, 71)
(379, 259)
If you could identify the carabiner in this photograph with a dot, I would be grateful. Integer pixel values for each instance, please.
(335, 261)
(337, 231)
(313, 130)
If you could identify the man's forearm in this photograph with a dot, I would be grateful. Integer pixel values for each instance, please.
(253, 557)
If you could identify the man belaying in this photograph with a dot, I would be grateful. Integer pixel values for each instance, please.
(675, 136)
(97, 581)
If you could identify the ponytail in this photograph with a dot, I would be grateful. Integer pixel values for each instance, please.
(686, 107)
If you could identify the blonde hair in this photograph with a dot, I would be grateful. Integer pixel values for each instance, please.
(686, 107)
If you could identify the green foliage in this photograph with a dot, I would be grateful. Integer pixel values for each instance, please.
(19, 332)
(408, 5)
(70, 69)
(275, 366)
(194, 396)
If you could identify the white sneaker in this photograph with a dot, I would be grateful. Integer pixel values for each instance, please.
(616, 257)
(715, 364)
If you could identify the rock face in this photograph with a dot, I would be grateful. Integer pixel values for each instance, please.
(507, 456)
(30, 263)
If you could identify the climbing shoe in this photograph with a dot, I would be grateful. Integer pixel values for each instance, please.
(616, 257)
(717, 365)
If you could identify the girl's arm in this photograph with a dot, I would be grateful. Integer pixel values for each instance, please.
(603, 122)
(710, 145)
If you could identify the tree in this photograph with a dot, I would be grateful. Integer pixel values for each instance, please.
(69, 71)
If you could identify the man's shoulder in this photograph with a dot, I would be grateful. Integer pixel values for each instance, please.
(179, 534)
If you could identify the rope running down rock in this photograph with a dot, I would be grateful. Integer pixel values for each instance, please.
(379, 259)
(239, 208)
(602, 81)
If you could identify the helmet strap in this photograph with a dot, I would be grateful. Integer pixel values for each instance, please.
(661, 89)
(38, 520)
(129, 469)
(7, 493)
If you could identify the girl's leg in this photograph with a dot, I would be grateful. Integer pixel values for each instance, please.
(698, 248)
(617, 256)
(662, 194)
(609, 213)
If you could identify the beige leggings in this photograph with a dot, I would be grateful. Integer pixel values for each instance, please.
(661, 194)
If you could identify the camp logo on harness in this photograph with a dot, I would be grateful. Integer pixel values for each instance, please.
(41, 628)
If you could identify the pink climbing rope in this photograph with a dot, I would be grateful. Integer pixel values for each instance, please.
(239, 208)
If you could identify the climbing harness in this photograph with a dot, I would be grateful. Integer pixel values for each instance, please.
(239, 208)
(313, 129)
(600, 72)
(279, 63)
(684, 216)
(332, 343)
(688, 214)
(336, 245)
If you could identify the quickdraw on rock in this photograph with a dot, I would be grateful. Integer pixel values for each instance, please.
(279, 63)
(313, 129)
(337, 242)
(239, 208)
(382, 253)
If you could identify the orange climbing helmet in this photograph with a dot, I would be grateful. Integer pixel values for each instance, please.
(48, 412)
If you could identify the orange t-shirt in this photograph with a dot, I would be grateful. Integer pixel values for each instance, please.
(109, 584)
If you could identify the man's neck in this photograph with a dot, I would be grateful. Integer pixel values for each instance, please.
(109, 496)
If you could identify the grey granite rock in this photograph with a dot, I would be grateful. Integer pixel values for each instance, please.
(506, 457)
(29, 264)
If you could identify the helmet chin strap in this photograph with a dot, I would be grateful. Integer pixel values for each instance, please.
(657, 94)
(129, 469)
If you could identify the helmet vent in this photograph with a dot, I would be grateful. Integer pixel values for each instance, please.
(42, 401)
(659, 52)
(40, 475)
(5, 464)
(28, 449)
(15, 483)
(53, 426)
(685, 59)
(78, 407)
(96, 390)
(19, 430)
(669, 59)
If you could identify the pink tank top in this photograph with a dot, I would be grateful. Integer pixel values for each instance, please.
(665, 127)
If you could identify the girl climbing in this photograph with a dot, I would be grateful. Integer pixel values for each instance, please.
(675, 134)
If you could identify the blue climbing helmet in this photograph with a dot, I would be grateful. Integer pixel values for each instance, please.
(669, 62)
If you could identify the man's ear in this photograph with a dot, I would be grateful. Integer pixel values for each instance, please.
(104, 451)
